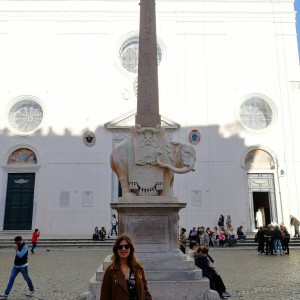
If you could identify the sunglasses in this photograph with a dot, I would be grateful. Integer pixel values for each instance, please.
(120, 247)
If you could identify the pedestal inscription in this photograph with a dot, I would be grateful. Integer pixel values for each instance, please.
(149, 229)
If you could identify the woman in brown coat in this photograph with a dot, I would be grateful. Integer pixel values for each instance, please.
(124, 278)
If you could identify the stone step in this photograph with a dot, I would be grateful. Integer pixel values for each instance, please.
(167, 274)
(176, 262)
(7, 242)
(59, 243)
(179, 265)
(168, 290)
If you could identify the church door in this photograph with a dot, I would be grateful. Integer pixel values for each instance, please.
(262, 198)
(19, 201)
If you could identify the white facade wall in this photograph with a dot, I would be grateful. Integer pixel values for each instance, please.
(215, 55)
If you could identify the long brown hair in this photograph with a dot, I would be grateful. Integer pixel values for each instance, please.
(132, 260)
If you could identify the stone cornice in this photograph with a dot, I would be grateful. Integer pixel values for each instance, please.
(127, 120)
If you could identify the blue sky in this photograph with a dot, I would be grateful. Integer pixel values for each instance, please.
(297, 8)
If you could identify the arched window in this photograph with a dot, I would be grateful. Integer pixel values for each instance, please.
(22, 156)
(259, 159)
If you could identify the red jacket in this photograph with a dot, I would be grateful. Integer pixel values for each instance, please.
(35, 236)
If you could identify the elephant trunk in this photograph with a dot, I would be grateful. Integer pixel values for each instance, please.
(183, 170)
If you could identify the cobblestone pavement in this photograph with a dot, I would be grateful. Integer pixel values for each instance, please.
(64, 274)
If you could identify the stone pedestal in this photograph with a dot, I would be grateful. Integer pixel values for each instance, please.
(152, 222)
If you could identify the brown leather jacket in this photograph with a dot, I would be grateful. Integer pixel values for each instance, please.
(114, 284)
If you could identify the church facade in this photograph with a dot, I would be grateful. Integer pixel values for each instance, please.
(229, 84)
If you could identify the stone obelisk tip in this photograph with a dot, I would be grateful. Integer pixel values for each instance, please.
(147, 98)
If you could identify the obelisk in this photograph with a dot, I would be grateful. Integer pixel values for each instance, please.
(147, 98)
(148, 211)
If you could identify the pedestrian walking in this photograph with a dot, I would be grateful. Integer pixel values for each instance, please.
(114, 224)
(34, 239)
(20, 265)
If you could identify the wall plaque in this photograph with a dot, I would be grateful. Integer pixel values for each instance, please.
(87, 199)
(64, 198)
(149, 229)
(197, 198)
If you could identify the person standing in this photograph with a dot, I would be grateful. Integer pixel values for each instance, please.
(34, 239)
(228, 222)
(269, 237)
(114, 224)
(258, 218)
(277, 240)
(193, 234)
(260, 240)
(221, 221)
(203, 237)
(124, 278)
(295, 222)
(20, 265)
(285, 240)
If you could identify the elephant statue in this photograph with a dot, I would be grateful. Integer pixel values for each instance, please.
(145, 164)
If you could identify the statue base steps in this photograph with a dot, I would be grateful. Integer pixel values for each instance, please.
(167, 280)
(152, 222)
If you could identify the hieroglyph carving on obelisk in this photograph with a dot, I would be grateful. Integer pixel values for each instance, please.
(147, 98)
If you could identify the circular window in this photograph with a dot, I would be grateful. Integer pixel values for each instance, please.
(129, 54)
(256, 113)
(25, 115)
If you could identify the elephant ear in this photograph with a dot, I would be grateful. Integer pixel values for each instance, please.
(172, 149)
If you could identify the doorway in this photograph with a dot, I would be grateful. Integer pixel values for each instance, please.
(19, 201)
(261, 206)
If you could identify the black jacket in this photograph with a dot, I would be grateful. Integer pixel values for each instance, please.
(269, 234)
(202, 262)
(276, 234)
(19, 261)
